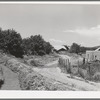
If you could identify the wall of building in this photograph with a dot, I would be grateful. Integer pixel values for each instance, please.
(92, 55)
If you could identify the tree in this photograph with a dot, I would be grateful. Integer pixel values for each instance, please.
(82, 49)
(10, 42)
(36, 45)
(75, 48)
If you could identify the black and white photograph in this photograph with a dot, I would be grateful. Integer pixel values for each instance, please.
(50, 47)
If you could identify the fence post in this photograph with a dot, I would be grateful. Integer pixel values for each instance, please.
(89, 72)
(68, 65)
(83, 61)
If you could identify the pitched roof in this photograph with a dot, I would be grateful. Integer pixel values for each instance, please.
(98, 49)
(59, 47)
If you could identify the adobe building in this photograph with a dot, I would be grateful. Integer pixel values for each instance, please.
(93, 55)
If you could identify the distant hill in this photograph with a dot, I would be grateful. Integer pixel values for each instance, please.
(92, 48)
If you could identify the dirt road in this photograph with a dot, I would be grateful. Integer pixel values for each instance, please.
(53, 72)
(11, 80)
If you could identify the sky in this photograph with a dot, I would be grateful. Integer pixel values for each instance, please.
(57, 23)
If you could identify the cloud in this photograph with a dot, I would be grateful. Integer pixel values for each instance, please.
(56, 41)
(69, 31)
(98, 38)
(91, 32)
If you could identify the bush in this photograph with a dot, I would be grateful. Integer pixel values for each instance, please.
(36, 45)
(41, 52)
(34, 62)
(96, 76)
(10, 42)
(75, 48)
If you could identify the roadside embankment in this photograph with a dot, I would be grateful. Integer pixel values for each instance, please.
(30, 79)
(45, 78)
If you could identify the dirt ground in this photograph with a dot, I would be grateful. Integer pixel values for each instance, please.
(52, 71)
(51, 74)
(11, 81)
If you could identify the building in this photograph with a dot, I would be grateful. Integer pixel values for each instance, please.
(93, 55)
(60, 49)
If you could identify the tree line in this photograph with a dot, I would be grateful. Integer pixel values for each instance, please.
(12, 42)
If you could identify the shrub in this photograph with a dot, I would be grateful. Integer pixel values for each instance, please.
(10, 42)
(36, 45)
(96, 76)
(41, 52)
(75, 48)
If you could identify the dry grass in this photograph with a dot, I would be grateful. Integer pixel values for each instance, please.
(93, 68)
(74, 55)
(39, 60)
